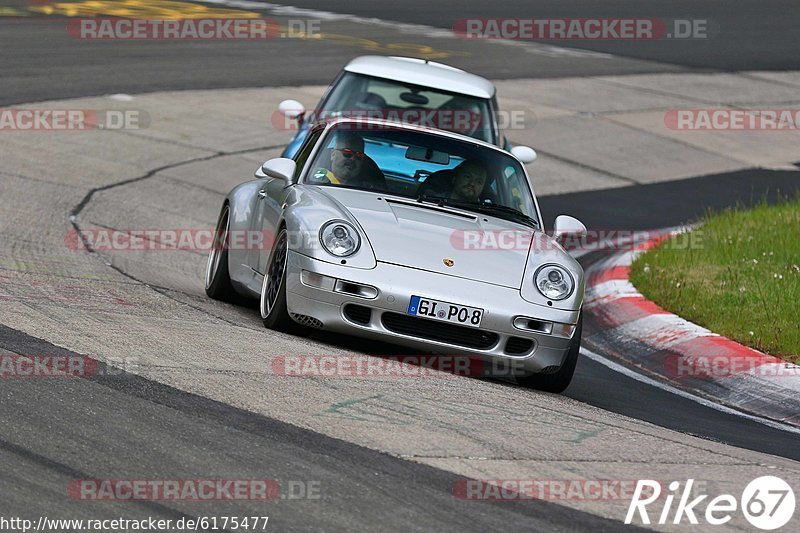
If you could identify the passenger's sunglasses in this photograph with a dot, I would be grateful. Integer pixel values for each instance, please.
(348, 153)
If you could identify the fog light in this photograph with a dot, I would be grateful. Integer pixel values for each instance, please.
(318, 281)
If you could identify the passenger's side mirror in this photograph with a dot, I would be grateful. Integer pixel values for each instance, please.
(292, 109)
(280, 168)
(526, 154)
(566, 225)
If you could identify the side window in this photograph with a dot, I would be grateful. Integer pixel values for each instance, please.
(305, 151)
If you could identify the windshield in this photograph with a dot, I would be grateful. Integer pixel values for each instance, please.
(364, 96)
(426, 167)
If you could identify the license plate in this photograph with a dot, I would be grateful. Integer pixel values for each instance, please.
(445, 311)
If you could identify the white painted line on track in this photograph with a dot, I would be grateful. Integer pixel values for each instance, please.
(616, 367)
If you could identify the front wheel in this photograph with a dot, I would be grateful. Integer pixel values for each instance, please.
(274, 312)
(218, 279)
(559, 381)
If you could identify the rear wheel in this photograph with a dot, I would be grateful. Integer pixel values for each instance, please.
(274, 312)
(558, 381)
(218, 279)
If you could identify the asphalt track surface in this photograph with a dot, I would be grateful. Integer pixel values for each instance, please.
(156, 432)
(745, 34)
(93, 426)
(751, 35)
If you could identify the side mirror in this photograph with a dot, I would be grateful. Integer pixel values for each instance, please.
(526, 154)
(292, 109)
(567, 225)
(280, 168)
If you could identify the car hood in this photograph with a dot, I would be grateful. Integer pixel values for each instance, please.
(404, 232)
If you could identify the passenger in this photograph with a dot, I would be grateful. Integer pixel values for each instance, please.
(469, 179)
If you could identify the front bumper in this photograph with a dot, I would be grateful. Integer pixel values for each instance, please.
(499, 338)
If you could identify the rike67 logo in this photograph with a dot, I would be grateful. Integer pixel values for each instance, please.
(767, 502)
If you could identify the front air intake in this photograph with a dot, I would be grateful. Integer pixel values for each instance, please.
(358, 314)
(518, 346)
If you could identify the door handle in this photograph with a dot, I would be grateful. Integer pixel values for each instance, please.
(262, 194)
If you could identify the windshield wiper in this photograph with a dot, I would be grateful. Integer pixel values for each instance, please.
(438, 200)
(493, 209)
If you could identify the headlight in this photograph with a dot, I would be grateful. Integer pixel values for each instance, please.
(339, 238)
(554, 282)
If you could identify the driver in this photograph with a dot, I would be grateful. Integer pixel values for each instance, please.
(347, 161)
(469, 180)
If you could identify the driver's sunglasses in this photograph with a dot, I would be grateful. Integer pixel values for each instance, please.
(348, 153)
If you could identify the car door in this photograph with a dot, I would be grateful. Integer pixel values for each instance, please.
(271, 201)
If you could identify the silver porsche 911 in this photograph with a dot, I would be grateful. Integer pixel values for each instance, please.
(415, 236)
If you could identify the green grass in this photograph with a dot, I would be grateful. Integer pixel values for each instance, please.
(738, 275)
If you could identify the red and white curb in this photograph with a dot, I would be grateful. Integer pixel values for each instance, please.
(622, 324)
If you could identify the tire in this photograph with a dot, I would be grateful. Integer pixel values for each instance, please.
(272, 304)
(218, 279)
(559, 381)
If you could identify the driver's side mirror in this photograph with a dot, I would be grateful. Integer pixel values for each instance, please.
(566, 225)
(526, 154)
(292, 109)
(280, 168)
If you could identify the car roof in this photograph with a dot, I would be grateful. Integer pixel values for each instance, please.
(422, 72)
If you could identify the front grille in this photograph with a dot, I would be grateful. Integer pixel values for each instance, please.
(439, 331)
(358, 313)
(518, 345)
